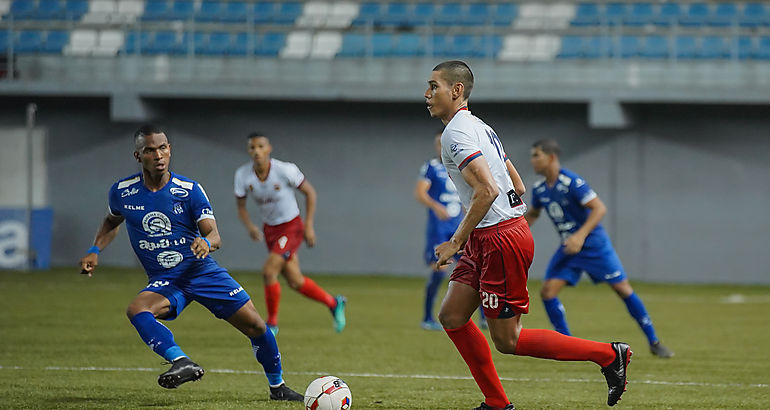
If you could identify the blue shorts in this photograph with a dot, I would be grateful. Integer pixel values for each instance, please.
(601, 264)
(433, 238)
(216, 290)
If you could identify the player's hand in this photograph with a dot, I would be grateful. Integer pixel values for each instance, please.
(255, 234)
(573, 244)
(441, 213)
(310, 236)
(200, 248)
(88, 264)
(446, 252)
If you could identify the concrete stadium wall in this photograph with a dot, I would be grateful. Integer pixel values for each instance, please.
(686, 186)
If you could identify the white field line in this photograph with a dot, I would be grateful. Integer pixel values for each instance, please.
(386, 376)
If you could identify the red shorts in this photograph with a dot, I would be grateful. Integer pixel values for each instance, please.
(285, 239)
(495, 263)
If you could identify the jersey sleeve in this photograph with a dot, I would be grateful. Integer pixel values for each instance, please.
(113, 202)
(459, 147)
(426, 172)
(199, 204)
(293, 175)
(535, 202)
(581, 191)
(239, 185)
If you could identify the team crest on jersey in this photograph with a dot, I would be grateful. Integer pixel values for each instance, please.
(178, 208)
(277, 187)
(251, 188)
(169, 259)
(453, 148)
(179, 192)
(156, 224)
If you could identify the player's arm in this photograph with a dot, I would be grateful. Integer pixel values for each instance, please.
(104, 236)
(310, 200)
(479, 178)
(421, 194)
(574, 243)
(518, 183)
(532, 215)
(209, 241)
(243, 215)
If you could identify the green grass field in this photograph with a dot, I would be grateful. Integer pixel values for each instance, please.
(65, 343)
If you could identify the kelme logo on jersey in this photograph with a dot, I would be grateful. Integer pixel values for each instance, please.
(156, 224)
(169, 259)
(179, 192)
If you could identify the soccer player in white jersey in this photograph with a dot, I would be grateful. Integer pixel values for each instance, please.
(496, 250)
(271, 183)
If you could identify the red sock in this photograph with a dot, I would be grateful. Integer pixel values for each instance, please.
(548, 344)
(272, 299)
(313, 291)
(474, 349)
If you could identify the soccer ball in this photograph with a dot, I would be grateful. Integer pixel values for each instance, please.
(328, 393)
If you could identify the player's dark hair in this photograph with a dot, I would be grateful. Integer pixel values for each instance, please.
(456, 71)
(255, 134)
(548, 146)
(147, 129)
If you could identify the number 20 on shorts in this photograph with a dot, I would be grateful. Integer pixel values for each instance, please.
(489, 300)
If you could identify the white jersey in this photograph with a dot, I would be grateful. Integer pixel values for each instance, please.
(466, 138)
(275, 195)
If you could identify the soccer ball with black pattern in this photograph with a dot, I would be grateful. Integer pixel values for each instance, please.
(328, 393)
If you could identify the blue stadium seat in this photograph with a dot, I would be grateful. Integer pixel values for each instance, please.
(210, 10)
(571, 47)
(421, 15)
(503, 14)
(463, 45)
(597, 47)
(242, 45)
(382, 44)
(238, 12)
(218, 44)
(686, 47)
(163, 43)
(353, 45)
(725, 14)
(396, 14)
(155, 10)
(438, 45)
(753, 15)
(287, 13)
(22, 10)
(136, 42)
(655, 47)
(50, 10)
(6, 39)
(368, 13)
(763, 49)
(587, 14)
(408, 45)
(697, 15)
(29, 41)
(449, 14)
(75, 9)
(713, 47)
(640, 14)
(745, 47)
(488, 46)
(270, 44)
(55, 41)
(627, 47)
(182, 10)
(615, 13)
(669, 14)
(478, 14)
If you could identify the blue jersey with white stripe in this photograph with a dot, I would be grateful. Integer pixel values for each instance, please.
(442, 190)
(564, 202)
(162, 225)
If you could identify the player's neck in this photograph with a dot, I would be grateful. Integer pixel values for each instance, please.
(155, 183)
(262, 169)
(463, 106)
(551, 175)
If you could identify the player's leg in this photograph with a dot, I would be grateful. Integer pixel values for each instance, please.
(142, 312)
(459, 304)
(265, 348)
(553, 306)
(637, 310)
(433, 237)
(270, 271)
(310, 289)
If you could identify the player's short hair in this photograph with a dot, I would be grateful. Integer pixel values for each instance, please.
(456, 71)
(145, 130)
(255, 134)
(548, 146)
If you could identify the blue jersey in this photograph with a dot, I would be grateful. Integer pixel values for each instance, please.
(442, 190)
(564, 202)
(162, 225)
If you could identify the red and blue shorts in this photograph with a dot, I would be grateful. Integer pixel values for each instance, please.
(495, 262)
(285, 239)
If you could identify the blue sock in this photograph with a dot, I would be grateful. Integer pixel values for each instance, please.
(556, 313)
(482, 316)
(431, 289)
(157, 336)
(266, 351)
(637, 310)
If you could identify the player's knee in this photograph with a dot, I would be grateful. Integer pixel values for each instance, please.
(450, 320)
(505, 344)
(547, 293)
(295, 284)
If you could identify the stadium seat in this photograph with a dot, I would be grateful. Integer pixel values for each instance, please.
(368, 13)
(22, 10)
(745, 47)
(82, 42)
(5, 7)
(627, 47)
(544, 47)
(108, 43)
(669, 14)
(763, 49)
(218, 44)
(353, 45)
(408, 45)
(55, 41)
(640, 14)
(753, 15)
(6, 38)
(298, 44)
(487, 46)
(75, 9)
(382, 44)
(341, 14)
(155, 10)
(326, 45)
(597, 47)
(130, 10)
(29, 41)
(314, 14)
(587, 14)
(516, 47)
(264, 11)
(504, 14)
(571, 47)
(462, 45)
(713, 47)
(242, 45)
(655, 47)
(287, 12)
(478, 14)
(449, 14)
(697, 15)
(136, 42)
(182, 10)
(238, 12)
(422, 14)
(615, 14)
(210, 10)
(163, 43)
(50, 10)
(725, 14)
(270, 44)
(396, 14)
(686, 47)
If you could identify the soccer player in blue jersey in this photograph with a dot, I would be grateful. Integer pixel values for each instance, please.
(436, 191)
(576, 211)
(172, 229)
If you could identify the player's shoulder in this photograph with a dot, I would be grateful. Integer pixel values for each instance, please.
(570, 178)
(130, 182)
(283, 166)
(244, 169)
(539, 184)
